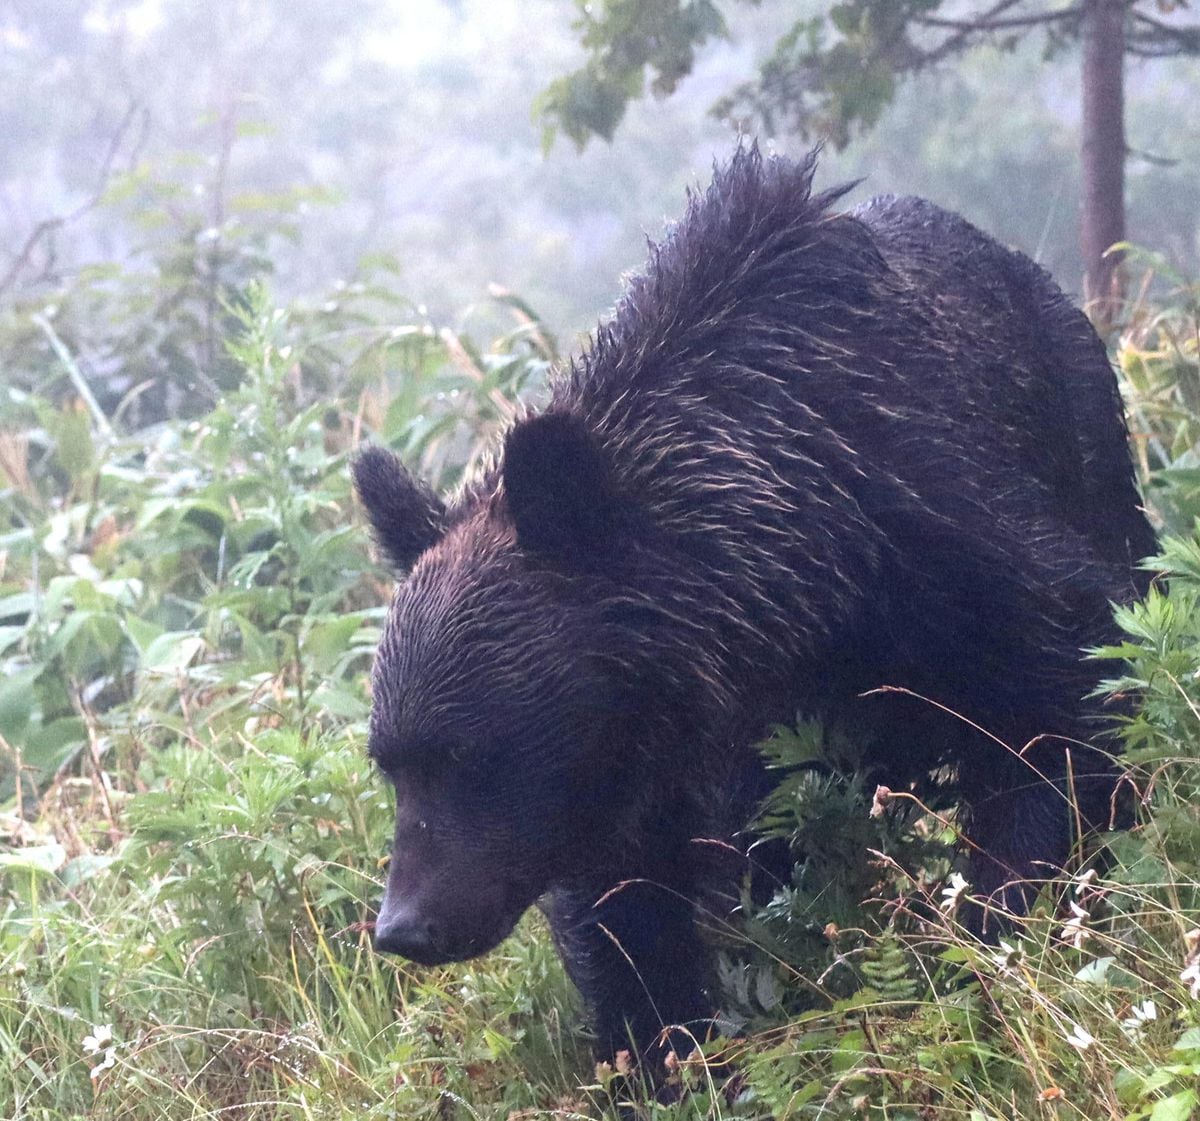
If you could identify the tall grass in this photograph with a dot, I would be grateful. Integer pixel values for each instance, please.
(194, 836)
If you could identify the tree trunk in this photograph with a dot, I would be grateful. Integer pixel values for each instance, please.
(1103, 156)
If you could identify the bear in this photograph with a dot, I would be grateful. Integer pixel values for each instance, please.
(813, 454)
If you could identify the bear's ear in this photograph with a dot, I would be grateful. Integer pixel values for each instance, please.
(557, 483)
(406, 515)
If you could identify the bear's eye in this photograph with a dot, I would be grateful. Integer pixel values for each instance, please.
(461, 753)
(425, 759)
(472, 761)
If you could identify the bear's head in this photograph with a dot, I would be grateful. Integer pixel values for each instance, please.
(493, 693)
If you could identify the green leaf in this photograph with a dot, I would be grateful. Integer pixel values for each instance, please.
(850, 1049)
(1178, 1107)
(44, 859)
(73, 435)
(18, 702)
(1189, 1041)
(17, 606)
(48, 746)
(142, 632)
(328, 640)
(85, 867)
(10, 636)
(171, 652)
(339, 702)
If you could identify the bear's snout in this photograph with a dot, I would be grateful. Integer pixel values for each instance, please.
(421, 937)
(433, 914)
(405, 931)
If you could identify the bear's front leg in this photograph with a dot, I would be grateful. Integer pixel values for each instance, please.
(635, 954)
(1021, 837)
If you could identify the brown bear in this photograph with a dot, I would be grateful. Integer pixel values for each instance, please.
(812, 453)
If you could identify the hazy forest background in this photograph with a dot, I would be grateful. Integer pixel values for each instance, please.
(407, 132)
(240, 237)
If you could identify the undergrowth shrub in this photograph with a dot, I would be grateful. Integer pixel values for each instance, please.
(188, 611)
(1158, 355)
(186, 617)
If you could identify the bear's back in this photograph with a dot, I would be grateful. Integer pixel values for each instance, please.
(1051, 372)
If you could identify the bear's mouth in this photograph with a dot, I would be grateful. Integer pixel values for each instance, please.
(447, 945)
(479, 944)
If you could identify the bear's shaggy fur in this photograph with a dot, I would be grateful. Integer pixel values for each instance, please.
(813, 453)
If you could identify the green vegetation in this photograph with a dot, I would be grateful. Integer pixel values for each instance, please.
(192, 832)
(838, 67)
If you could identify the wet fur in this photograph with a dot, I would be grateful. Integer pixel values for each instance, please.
(812, 453)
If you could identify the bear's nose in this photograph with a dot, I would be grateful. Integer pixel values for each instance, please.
(408, 934)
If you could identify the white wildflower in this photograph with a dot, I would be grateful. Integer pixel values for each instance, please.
(1074, 931)
(109, 1060)
(1191, 962)
(1080, 1038)
(100, 1042)
(1007, 955)
(1084, 880)
(952, 891)
(1191, 977)
(100, 1038)
(1139, 1016)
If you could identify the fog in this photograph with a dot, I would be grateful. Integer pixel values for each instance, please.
(406, 137)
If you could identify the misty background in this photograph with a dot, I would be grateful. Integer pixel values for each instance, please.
(336, 141)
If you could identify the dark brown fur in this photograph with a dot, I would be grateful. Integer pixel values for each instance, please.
(812, 454)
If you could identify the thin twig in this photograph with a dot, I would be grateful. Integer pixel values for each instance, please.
(1184, 38)
(99, 779)
(75, 374)
(985, 23)
(48, 225)
(962, 34)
